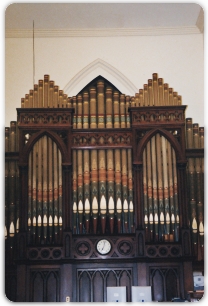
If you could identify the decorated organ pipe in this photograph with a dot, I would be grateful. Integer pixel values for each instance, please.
(102, 180)
(45, 192)
(107, 191)
(12, 187)
(101, 105)
(160, 205)
(195, 178)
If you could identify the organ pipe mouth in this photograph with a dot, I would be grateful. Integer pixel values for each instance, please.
(201, 229)
(11, 229)
(95, 205)
(119, 206)
(80, 207)
(87, 206)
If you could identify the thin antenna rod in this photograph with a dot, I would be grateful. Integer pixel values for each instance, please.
(33, 56)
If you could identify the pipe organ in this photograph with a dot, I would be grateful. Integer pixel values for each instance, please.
(102, 189)
(102, 165)
(44, 192)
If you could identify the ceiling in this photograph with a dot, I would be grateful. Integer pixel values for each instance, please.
(55, 19)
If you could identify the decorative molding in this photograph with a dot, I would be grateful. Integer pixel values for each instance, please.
(94, 69)
(106, 32)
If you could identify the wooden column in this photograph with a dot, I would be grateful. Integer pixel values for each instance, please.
(67, 183)
(181, 165)
(23, 171)
(138, 192)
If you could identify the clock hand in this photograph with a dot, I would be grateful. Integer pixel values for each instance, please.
(103, 245)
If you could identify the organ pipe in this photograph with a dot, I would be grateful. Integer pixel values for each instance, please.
(103, 177)
(195, 141)
(159, 176)
(45, 191)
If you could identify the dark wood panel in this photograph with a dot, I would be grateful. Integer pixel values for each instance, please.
(92, 283)
(37, 288)
(44, 285)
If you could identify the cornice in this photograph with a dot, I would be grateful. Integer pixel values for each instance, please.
(39, 33)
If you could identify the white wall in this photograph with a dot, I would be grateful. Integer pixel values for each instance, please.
(178, 59)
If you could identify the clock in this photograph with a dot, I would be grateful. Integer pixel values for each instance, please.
(103, 246)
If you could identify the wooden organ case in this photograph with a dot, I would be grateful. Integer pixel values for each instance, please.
(102, 189)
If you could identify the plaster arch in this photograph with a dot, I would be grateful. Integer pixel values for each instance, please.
(94, 69)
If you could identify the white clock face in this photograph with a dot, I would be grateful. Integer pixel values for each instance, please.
(103, 246)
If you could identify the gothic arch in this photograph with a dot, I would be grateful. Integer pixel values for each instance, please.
(166, 134)
(35, 137)
(94, 69)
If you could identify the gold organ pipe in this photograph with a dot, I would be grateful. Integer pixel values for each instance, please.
(150, 92)
(155, 89)
(22, 103)
(160, 91)
(51, 93)
(109, 108)
(65, 100)
(40, 93)
(189, 133)
(46, 90)
(175, 98)
(28, 101)
(146, 98)
(85, 110)
(93, 108)
(122, 111)
(100, 104)
(133, 102)
(61, 98)
(201, 137)
(141, 97)
(171, 100)
(69, 102)
(128, 124)
(137, 99)
(74, 104)
(35, 96)
(166, 94)
(79, 111)
(179, 100)
(116, 109)
(55, 96)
